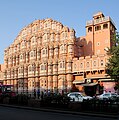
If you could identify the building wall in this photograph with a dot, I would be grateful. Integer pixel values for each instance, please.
(46, 55)
(92, 66)
(41, 57)
(99, 32)
(1, 73)
(93, 47)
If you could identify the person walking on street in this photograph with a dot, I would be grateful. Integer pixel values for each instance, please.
(34, 92)
(38, 93)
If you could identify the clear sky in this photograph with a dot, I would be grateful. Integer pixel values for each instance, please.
(16, 14)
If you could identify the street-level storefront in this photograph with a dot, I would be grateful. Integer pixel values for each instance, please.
(90, 87)
(108, 85)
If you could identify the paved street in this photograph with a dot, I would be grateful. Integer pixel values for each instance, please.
(7, 113)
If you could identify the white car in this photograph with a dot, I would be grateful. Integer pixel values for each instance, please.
(78, 97)
(107, 96)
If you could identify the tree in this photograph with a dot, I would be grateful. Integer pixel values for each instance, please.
(112, 67)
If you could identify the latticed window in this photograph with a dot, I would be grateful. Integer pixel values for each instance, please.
(34, 53)
(81, 65)
(102, 62)
(19, 70)
(94, 63)
(41, 67)
(21, 57)
(44, 67)
(61, 65)
(30, 68)
(43, 52)
(45, 25)
(87, 65)
(31, 54)
(75, 66)
(33, 67)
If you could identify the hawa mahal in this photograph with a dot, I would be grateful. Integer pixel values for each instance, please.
(47, 55)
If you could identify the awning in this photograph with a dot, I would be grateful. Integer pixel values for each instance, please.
(106, 80)
(78, 81)
(90, 84)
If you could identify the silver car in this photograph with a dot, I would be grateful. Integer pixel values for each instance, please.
(107, 96)
(78, 97)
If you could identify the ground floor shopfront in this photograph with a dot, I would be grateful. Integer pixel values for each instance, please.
(90, 87)
(93, 87)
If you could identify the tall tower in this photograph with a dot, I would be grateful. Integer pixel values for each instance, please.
(99, 34)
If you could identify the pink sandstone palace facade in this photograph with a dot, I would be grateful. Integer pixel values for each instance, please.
(46, 55)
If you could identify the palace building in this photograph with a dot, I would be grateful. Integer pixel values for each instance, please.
(47, 55)
(89, 69)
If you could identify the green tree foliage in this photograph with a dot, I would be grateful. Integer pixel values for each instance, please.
(112, 67)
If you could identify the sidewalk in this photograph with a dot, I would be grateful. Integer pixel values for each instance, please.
(115, 116)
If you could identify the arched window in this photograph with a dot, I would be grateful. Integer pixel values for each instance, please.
(43, 52)
(81, 65)
(61, 65)
(97, 28)
(41, 67)
(52, 37)
(75, 66)
(87, 65)
(33, 67)
(33, 41)
(31, 54)
(21, 57)
(23, 44)
(45, 38)
(30, 68)
(46, 51)
(105, 26)
(90, 29)
(94, 63)
(101, 62)
(44, 67)
(19, 70)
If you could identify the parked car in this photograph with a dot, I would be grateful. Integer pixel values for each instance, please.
(79, 97)
(107, 96)
(7, 90)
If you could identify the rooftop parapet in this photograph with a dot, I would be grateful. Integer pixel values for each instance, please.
(98, 14)
(100, 20)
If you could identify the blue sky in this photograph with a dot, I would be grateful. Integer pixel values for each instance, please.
(16, 14)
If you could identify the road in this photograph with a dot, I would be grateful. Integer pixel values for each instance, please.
(7, 113)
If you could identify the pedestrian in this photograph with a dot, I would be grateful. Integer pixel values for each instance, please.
(48, 92)
(38, 93)
(45, 93)
(34, 92)
(42, 95)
